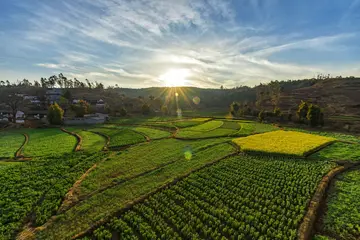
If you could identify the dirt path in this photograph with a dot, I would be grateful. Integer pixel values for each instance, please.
(71, 196)
(77, 147)
(307, 226)
(18, 153)
(144, 197)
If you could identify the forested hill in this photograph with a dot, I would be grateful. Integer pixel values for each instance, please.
(337, 96)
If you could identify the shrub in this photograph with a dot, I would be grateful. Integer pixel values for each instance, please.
(55, 114)
(81, 108)
(145, 109)
(302, 111)
(261, 115)
(123, 112)
(313, 115)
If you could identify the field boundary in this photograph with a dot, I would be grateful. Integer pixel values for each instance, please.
(68, 200)
(122, 181)
(319, 148)
(306, 228)
(18, 153)
(78, 144)
(144, 197)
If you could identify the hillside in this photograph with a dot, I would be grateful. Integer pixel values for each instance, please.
(336, 96)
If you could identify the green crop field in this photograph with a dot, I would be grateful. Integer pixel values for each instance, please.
(119, 136)
(175, 178)
(48, 142)
(90, 141)
(10, 142)
(342, 218)
(245, 197)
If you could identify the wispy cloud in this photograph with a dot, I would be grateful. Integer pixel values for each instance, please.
(134, 42)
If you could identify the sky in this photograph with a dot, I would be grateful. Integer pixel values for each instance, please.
(202, 43)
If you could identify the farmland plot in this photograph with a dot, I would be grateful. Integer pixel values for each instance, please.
(130, 186)
(120, 136)
(10, 142)
(151, 132)
(339, 151)
(90, 141)
(50, 141)
(241, 198)
(342, 218)
(36, 188)
(282, 142)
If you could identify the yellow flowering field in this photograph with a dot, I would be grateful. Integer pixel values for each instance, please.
(283, 142)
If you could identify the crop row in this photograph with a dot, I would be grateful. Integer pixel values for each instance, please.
(342, 218)
(239, 198)
(130, 175)
(32, 191)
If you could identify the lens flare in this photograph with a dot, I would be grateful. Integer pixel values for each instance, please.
(179, 112)
(196, 100)
(188, 153)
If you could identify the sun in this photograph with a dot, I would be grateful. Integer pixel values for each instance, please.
(175, 77)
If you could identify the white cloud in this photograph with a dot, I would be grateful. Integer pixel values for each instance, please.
(135, 42)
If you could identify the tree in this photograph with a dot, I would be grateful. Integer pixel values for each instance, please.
(261, 116)
(314, 115)
(145, 109)
(234, 108)
(11, 99)
(55, 114)
(302, 111)
(123, 112)
(81, 108)
(277, 112)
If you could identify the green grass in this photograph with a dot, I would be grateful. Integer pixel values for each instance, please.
(85, 214)
(10, 142)
(342, 217)
(50, 141)
(90, 141)
(120, 136)
(339, 151)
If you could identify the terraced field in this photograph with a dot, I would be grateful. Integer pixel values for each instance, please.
(50, 141)
(167, 178)
(342, 218)
(119, 137)
(90, 141)
(283, 142)
(243, 197)
(10, 142)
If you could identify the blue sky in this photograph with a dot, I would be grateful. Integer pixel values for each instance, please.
(141, 43)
